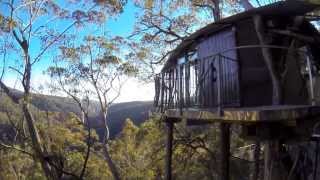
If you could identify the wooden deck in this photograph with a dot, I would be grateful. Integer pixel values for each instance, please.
(246, 114)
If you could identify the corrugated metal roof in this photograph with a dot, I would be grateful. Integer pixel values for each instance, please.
(281, 8)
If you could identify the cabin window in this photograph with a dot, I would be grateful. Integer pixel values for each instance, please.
(193, 82)
(181, 60)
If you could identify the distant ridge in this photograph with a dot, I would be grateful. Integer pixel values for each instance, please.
(137, 111)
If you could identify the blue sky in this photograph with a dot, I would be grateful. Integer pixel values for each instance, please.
(121, 25)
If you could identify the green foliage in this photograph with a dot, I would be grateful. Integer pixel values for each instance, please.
(138, 151)
(63, 137)
(15, 165)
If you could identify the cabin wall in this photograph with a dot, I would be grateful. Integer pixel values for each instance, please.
(256, 85)
(255, 82)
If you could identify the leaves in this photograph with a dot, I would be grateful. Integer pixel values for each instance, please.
(56, 71)
(128, 69)
(148, 4)
(107, 59)
(69, 53)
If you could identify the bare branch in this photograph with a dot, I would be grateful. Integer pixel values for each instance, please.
(163, 57)
(37, 58)
(4, 63)
(16, 70)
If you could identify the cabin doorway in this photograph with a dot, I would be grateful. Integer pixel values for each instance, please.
(219, 70)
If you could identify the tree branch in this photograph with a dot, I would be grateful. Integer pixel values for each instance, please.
(37, 58)
(16, 148)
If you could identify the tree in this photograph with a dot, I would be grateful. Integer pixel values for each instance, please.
(63, 136)
(139, 152)
(93, 71)
(22, 27)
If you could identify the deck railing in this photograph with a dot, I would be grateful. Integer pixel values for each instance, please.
(212, 82)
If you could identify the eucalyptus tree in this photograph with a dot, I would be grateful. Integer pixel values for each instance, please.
(29, 30)
(93, 70)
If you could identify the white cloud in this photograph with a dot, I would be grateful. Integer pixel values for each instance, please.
(133, 90)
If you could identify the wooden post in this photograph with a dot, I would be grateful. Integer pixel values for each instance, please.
(162, 93)
(255, 175)
(168, 170)
(273, 170)
(219, 99)
(224, 151)
(181, 102)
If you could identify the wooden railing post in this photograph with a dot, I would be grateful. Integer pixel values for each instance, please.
(219, 100)
(162, 92)
(181, 101)
(170, 90)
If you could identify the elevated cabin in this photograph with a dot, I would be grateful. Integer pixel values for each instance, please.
(258, 69)
(257, 66)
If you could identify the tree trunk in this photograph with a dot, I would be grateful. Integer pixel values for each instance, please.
(276, 93)
(246, 4)
(110, 163)
(105, 138)
(36, 143)
(34, 135)
(216, 10)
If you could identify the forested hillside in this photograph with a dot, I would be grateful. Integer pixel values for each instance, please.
(138, 151)
(137, 111)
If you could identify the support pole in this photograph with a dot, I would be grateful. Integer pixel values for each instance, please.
(225, 151)
(273, 170)
(255, 175)
(315, 170)
(168, 170)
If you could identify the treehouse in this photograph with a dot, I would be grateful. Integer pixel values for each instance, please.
(259, 69)
(257, 66)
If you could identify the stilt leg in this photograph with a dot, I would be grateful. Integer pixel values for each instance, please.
(272, 168)
(169, 150)
(255, 175)
(225, 150)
